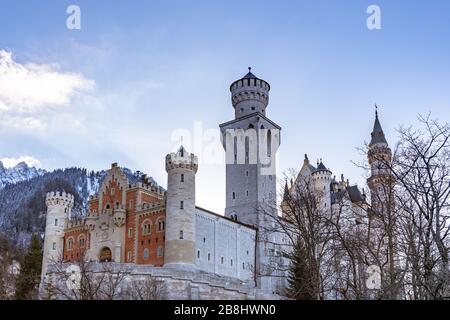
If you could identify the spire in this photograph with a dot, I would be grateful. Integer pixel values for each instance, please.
(250, 75)
(377, 133)
(181, 151)
(286, 191)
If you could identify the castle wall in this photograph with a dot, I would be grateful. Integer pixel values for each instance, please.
(179, 284)
(224, 247)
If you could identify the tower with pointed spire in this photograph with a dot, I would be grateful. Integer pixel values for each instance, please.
(379, 156)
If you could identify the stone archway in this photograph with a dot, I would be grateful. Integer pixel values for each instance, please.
(105, 255)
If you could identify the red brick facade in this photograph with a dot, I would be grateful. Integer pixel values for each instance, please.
(144, 207)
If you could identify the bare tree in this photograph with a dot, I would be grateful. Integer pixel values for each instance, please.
(147, 288)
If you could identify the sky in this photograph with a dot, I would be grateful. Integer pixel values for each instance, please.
(139, 74)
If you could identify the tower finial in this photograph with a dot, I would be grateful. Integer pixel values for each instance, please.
(249, 69)
(376, 111)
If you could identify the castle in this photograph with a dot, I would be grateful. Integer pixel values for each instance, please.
(198, 253)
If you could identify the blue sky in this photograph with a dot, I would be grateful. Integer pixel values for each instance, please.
(137, 71)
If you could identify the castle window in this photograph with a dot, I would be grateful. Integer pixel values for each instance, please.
(247, 252)
(198, 254)
(160, 251)
(182, 177)
(209, 256)
(246, 193)
(56, 222)
(130, 204)
(161, 225)
(246, 173)
(181, 235)
(54, 246)
(146, 227)
(243, 266)
(65, 210)
(146, 254)
(204, 240)
(117, 205)
(221, 260)
(81, 241)
(129, 256)
(181, 205)
(108, 206)
(113, 191)
(231, 262)
(70, 244)
(130, 232)
(234, 195)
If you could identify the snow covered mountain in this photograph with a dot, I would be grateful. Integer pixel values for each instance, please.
(18, 173)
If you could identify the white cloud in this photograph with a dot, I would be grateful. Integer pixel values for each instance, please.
(27, 90)
(29, 160)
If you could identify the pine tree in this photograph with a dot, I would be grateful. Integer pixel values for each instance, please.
(301, 276)
(30, 271)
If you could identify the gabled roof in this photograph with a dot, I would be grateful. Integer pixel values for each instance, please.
(354, 194)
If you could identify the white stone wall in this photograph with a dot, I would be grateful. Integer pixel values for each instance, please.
(229, 245)
(178, 284)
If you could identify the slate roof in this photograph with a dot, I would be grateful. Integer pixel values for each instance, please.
(377, 133)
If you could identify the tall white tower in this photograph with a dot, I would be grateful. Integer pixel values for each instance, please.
(179, 250)
(59, 206)
(321, 178)
(250, 142)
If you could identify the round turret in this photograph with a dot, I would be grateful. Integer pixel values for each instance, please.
(59, 206)
(322, 182)
(181, 168)
(249, 95)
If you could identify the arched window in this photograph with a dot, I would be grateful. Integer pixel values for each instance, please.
(181, 235)
(221, 260)
(146, 227)
(146, 254)
(161, 225)
(81, 241)
(70, 243)
(108, 206)
(160, 251)
(117, 205)
(56, 222)
(198, 254)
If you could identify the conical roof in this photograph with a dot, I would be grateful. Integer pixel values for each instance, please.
(377, 133)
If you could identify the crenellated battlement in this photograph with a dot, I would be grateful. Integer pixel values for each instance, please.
(250, 88)
(76, 223)
(181, 159)
(57, 198)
